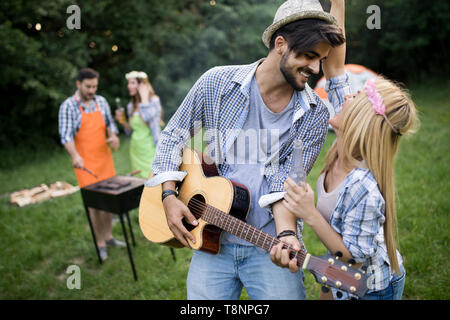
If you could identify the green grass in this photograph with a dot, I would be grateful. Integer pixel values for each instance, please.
(39, 242)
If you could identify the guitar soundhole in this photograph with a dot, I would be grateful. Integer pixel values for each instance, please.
(197, 207)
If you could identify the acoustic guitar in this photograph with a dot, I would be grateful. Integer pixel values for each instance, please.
(220, 204)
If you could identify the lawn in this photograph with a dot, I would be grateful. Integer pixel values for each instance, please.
(39, 242)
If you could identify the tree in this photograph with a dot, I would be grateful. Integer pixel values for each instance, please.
(174, 41)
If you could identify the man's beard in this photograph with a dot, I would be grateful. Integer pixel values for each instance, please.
(85, 97)
(289, 76)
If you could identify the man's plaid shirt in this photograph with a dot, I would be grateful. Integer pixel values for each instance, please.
(219, 102)
(69, 116)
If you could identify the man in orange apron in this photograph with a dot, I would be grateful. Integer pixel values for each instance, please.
(85, 121)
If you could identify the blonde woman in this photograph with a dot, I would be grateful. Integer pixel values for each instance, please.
(355, 213)
(144, 119)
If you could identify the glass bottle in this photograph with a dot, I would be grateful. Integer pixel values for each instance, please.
(297, 172)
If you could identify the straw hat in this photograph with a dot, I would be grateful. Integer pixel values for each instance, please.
(293, 10)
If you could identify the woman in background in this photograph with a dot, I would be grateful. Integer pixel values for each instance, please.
(144, 122)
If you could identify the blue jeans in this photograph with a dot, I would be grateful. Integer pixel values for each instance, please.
(393, 291)
(222, 276)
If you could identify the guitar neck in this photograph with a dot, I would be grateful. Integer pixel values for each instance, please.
(247, 232)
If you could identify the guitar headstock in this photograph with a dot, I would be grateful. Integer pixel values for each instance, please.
(330, 271)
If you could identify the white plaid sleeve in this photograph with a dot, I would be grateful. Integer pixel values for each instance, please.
(66, 122)
(337, 88)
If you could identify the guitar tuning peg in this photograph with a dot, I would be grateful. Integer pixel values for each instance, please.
(364, 269)
(325, 289)
(339, 294)
(338, 255)
(351, 262)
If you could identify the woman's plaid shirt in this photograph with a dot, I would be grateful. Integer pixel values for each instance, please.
(359, 218)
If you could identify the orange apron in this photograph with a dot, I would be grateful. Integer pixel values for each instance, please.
(90, 142)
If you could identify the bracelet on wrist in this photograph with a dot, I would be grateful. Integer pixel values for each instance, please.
(286, 233)
(167, 193)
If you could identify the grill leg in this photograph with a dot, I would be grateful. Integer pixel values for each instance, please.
(130, 255)
(173, 254)
(93, 233)
(131, 229)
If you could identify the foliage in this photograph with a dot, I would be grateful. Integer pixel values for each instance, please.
(175, 41)
(412, 41)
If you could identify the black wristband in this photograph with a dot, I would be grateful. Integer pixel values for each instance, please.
(286, 233)
(167, 193)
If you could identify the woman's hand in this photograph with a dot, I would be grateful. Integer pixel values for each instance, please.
(144, 93)
(299, 199)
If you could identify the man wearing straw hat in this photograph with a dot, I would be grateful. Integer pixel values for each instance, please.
(252, 114)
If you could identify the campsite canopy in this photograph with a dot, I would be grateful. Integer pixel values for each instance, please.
(358, 75)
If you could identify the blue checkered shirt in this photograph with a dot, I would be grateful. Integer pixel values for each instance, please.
(219, 102)
(337, 88)
(69, 117)
(358, 217)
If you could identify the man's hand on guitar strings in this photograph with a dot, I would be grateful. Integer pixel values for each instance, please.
(175, 212)
(280, 257)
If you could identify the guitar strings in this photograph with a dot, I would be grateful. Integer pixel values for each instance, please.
(200, 209)
(200, 205)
